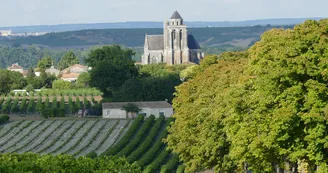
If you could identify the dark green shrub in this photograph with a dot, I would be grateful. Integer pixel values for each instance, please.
(22, 106)
(14, 106)
(4, 119)
(125, 140)
(30, 106)
(48, 112)
(60, 112)
(54, 102)
(39, 105)
(5, 106)
(92, 155)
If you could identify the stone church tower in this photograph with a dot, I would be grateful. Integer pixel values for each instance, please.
(175, 46)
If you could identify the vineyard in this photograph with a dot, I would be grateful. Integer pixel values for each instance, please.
(138, 140)
(62, 104)
(74, 137)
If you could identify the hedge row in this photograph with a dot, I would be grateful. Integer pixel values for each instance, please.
(155, 165)
(53, 112)
(136, 140)
(147, 142)
(116, 148)
(4, 119)
(151, 153)
(171, 164)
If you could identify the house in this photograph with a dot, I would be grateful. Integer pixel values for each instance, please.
(156, 108)
(53, 71)
(76, 68)
(72, 73)
(70, 77)
(16, 67)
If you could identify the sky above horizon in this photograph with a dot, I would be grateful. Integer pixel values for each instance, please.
(51, 12)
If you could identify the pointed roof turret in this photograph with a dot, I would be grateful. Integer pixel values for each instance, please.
(176, 15)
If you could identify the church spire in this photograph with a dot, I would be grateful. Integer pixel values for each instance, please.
(176, 15)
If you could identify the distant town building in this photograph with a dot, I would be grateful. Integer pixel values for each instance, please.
(156, 108)
(175, 46)
(16, 67)
(5, 33)
(53, 71)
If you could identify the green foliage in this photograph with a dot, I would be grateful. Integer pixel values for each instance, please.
(269, 110)
(54, 102)
(92, 155)
(67, 60)
(180, 169)
(10, 80)
(149, 156)
(155, 165)
(77, 102)
(6, 105)
(130, 107)
(47, 102)
(171, 164)
(83, 80)
(144, 129)
(147, 141)
(14, 106)
(125, 139)
(60, 112)
(111, 67)
(48, 112)
(22, 105)
(70, 105)
(39, 105)
(61, 85)
(45, 62)
(30, 162)
(4, 119)
(30, 105)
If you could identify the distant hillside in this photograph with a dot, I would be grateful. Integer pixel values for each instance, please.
(207, 37)
(118, 25)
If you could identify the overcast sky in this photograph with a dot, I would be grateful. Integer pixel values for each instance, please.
(48, 12)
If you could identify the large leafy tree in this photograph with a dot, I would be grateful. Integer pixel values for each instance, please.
(10, 80)
(197, 133)
(286, 120)
(111, 67)
(67, 60)
(268, 114)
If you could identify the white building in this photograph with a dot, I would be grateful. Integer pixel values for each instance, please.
(156, 108)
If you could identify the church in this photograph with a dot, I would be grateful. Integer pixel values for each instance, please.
(175, 46)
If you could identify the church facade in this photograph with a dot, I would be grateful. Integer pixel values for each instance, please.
(175, 46)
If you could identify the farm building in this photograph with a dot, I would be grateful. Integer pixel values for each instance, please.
(156, 108)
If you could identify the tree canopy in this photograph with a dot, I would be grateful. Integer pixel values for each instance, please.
(267, 111)
(45, 62)
(111, 67)
(67, 60)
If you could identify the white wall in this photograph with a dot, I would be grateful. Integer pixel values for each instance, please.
(114, 113)
(118, 113)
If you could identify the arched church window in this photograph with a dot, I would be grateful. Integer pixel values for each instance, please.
(180, 35)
